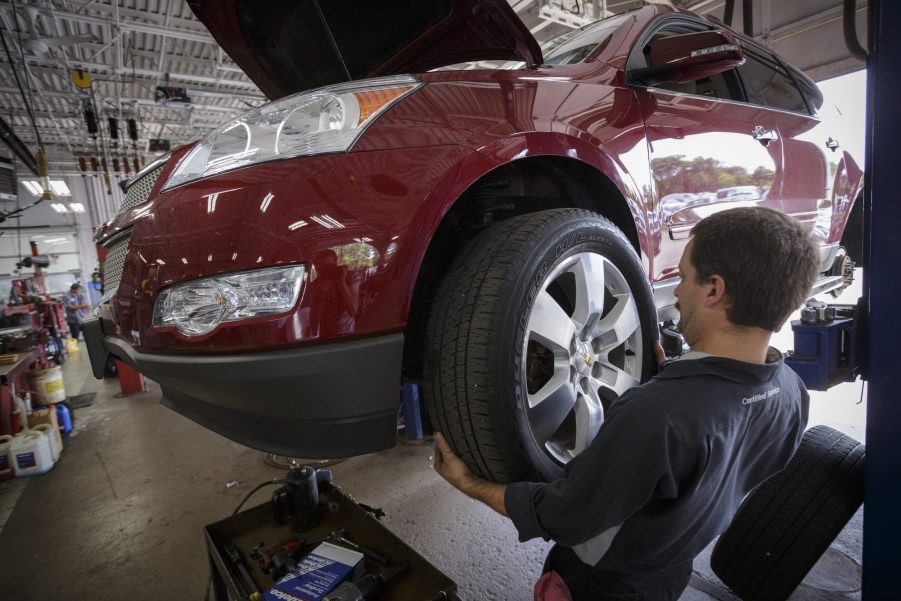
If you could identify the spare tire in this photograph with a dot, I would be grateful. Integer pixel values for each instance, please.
(783, 527)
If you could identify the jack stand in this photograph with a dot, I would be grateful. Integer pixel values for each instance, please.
(130, 381)
(825, 351)
(412, 410)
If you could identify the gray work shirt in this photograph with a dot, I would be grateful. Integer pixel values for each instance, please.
(670, 465)
(75, 315)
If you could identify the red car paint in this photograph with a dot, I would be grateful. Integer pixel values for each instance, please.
(392, 190)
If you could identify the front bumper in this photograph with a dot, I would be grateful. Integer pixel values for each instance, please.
(323, 401)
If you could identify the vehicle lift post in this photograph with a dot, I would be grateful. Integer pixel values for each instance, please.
(882, 289)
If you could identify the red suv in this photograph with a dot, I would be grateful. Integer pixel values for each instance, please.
(508, 238)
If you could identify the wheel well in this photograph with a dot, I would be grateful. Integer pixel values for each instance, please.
(524, 186)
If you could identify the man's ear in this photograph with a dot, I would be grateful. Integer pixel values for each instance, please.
(716, 291)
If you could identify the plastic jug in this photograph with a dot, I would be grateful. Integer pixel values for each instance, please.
(47, 429)
(64, 417)
(30, 453)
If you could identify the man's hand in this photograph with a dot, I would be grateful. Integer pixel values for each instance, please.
(451, 468)
(658, 352)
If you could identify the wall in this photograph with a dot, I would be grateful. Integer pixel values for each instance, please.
(65, 237)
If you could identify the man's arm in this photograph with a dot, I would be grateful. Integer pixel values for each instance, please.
(451, 468)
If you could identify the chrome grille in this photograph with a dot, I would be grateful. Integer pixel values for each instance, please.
(140, 190)
(114, 263)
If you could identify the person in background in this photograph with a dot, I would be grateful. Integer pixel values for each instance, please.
(95, 289)
(77, 308)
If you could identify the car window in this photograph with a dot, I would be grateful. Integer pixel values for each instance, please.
(722, 85)
(575, 46)
(811, 92)
(767, 83)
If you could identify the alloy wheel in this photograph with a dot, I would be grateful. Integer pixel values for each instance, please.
(582, 348)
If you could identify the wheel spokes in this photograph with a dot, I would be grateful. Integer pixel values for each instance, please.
(618, 325)
(613, 378)
(550, 406)
(590, 279)
(550, 325)
(589, 416)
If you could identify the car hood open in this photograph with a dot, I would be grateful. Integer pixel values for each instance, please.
(286, 46)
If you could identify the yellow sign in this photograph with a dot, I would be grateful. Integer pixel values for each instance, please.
(81, 78)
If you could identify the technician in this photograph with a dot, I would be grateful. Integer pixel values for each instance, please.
(676, 455)
(77, 308)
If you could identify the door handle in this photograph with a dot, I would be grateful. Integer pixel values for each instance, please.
(831, 143)
(763, 135)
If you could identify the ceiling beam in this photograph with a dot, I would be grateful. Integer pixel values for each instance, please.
(132, 100)
(243, 84)
(171, 31)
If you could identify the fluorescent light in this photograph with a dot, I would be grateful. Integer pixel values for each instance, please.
(297, 225)
(77, 207)
(33, 187)
(54, 240)
(59, 207)
(59, 187)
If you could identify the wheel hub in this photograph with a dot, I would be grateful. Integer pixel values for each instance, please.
(583, 357)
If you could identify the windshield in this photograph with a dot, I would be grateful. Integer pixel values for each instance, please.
(574, 46)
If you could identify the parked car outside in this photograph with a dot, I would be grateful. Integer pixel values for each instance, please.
(499, 236)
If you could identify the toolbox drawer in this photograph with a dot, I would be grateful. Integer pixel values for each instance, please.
(422, 582)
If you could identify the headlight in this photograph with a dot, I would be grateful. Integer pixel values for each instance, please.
(199, 306)
(325, 120)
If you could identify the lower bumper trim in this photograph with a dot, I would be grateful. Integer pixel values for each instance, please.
(325, 401)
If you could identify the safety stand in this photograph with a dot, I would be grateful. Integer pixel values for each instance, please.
(130, 381)
(412, 411)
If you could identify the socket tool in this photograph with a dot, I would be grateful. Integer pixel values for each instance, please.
(244, 579)
(363, 587)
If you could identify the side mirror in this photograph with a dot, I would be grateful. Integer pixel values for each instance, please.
(688, 57)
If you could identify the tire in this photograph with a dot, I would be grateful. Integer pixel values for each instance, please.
(783, 527)
(504, 329)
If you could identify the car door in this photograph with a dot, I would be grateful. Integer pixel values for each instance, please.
(709, 150)
(817, 189)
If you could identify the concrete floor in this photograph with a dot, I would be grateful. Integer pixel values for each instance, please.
(121, 515)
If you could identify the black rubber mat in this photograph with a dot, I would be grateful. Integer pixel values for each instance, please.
(81, 400)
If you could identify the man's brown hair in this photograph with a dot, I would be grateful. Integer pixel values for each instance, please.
(768, 262)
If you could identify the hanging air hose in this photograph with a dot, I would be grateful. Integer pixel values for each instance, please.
(90, 120)
(133, 135)
(849, 27)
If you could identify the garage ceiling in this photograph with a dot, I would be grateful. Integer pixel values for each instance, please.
(129, 47)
